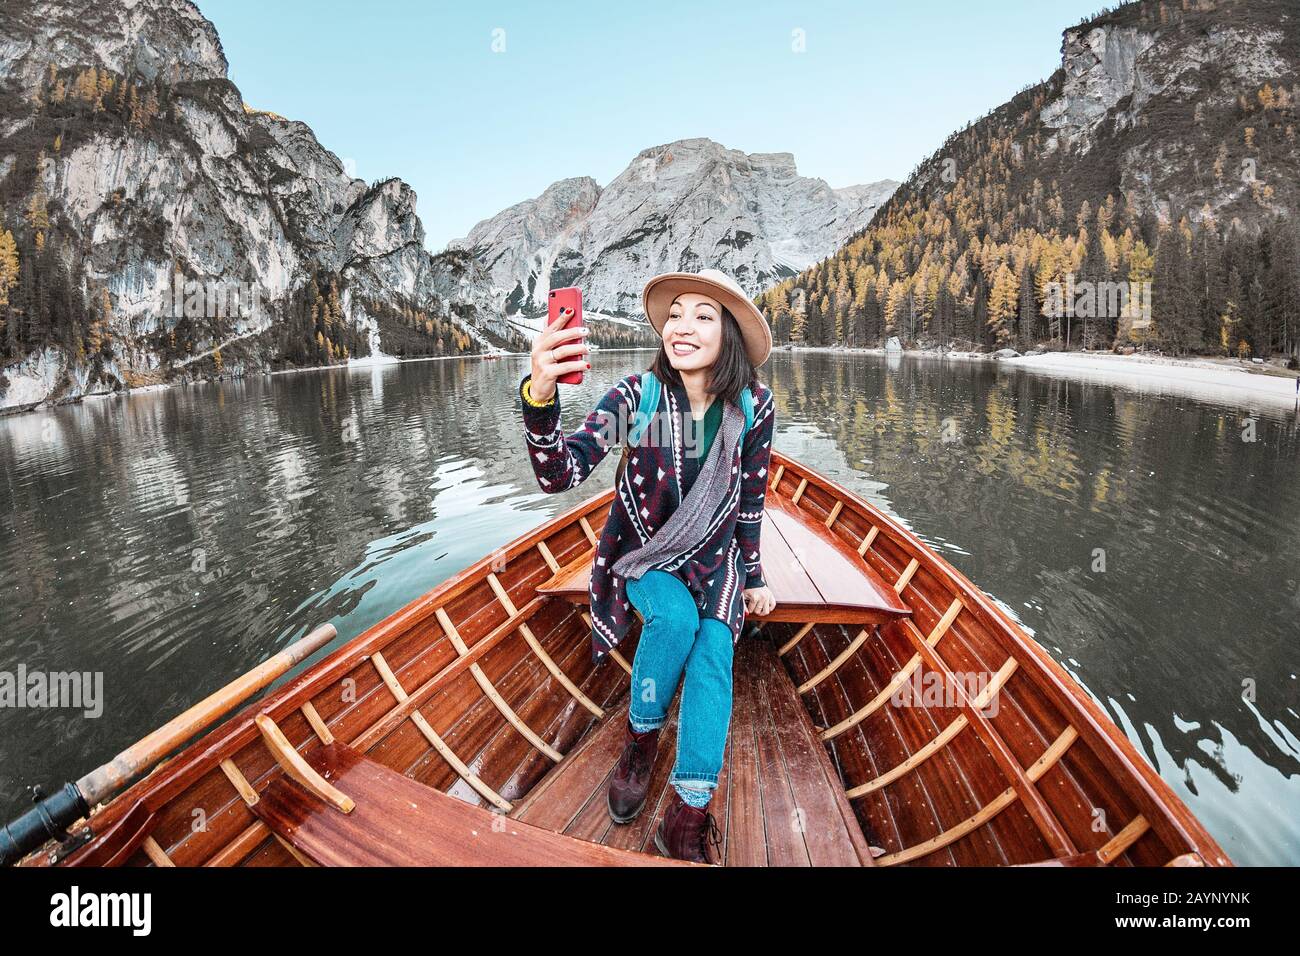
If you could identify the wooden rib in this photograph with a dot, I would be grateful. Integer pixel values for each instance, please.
(1052, 754)
(790, 644)
(912, 762)
(983, 816)
(492, 694)
(1048, 825)
(985, 813)
(981, 700)
(619, 659)
(157, 855)
(254, 835)
(298, 769)
(240, 782)
(834, 665)
(830, 518)
(906, 575)
(895, 682)
(586, 529)
(318, 725)
(241, 846)
(798, 492)
(417, 698)
(776, 479)
(866, 542)
(940, 629)
(540, 651)
(548, 557)
(470, 777)
(945, 622)
(1120, 842)
(949, 732)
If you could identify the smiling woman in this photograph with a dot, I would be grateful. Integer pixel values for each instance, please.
(681, 546)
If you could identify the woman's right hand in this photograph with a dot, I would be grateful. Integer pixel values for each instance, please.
(552, 351)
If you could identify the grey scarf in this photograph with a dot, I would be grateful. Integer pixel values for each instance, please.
(688, 525)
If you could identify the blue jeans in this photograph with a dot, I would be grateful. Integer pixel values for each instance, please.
(675, 640)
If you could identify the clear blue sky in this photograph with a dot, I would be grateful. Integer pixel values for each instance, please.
(413, 88)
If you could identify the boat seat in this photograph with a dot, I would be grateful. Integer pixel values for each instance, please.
(399, 822)
(814, 575)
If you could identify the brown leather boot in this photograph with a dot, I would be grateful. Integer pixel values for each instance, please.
(689, 833)
(631, 780)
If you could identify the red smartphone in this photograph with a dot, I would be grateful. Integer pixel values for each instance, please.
(556, 302)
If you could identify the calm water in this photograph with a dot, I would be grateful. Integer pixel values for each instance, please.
(173, 540)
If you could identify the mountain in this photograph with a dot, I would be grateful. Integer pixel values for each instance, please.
(686, 205)
(154, 227)
(1144, 195)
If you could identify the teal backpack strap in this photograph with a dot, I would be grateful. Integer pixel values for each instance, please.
(747, 404)
(646, 407)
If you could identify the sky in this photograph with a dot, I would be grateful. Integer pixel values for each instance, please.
(480, 105)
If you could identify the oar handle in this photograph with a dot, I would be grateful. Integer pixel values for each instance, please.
(142, 755)
(54, 814)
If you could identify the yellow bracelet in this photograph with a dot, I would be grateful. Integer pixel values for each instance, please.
(528, 397)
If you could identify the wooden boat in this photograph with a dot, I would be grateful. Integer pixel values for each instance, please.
(471, 727)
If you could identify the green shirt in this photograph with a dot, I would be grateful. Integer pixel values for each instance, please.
(712, 419)
(691, 464)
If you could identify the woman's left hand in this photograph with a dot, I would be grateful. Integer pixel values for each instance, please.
(759, 600)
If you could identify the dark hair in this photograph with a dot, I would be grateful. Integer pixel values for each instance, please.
(730, 372)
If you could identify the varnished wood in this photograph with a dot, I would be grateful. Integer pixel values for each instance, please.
(157, 856)
(100, 783)
(813, 576)
(899, 679)
(440, 745)
(489, 689)
(292, 763)
(783, 767)
(941, 785)
(401, 823)
(537, 648)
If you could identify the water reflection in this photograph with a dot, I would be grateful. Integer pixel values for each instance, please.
(174, 539)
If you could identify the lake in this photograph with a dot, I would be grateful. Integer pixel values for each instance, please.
(1151, 542)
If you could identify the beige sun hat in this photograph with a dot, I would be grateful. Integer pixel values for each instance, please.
(659, 292)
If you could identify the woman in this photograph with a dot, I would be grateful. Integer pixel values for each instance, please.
(681, 545)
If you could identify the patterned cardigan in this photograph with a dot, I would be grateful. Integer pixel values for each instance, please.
(717, 569)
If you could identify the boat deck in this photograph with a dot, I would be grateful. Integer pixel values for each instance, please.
(779, 801)
(394, 821)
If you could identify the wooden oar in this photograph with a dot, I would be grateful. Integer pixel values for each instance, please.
(52, 815)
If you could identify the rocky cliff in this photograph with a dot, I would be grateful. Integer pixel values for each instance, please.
(685, 205)
(142, 197)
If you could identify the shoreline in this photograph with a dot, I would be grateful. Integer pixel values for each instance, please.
(22, 408)
(1193, 377)
(1206, 377)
